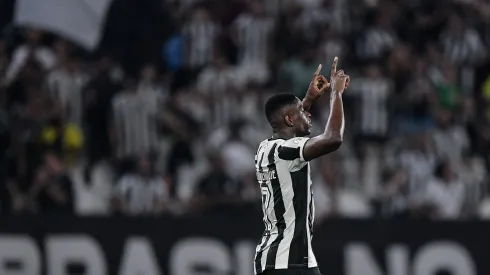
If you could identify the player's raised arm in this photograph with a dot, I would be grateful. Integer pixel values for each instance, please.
(332, 137)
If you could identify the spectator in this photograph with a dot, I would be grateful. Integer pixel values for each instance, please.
(331, 45)
(253, 33)
(65, 84)
(183, 128)
(415, 101)
(321, 13)
(216, 188)
(482, 10)
(288, 34)
(450, 139)
(418, 160)
(445, 193)
(219, 83)
(399, 65)
(372, 92)
(172, 52)
(142, 192)
(152, 95)
(149, 83)
(395, 200)
(135, 123)
(200, 34)
(469, 119)
(421, 64)
(461, 43)
(53, 188)
(331, 199)
(63, 138)
(32, 50)
(254, 126)
(63, 51)
(326, 194)
(97, 103)
(296, 71)
(372, 95)
(379, 39)
(29, 79)
(27, 124)
(449, 92)
(473, 174)
(434, 55)
(236, 153)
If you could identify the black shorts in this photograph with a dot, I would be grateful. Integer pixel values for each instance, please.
(295, 271)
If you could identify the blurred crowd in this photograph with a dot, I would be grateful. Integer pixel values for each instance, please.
(166, 115)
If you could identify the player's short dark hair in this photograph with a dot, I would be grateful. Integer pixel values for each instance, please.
(277, 102)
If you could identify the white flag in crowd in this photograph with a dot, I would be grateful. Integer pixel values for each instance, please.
(80, 21)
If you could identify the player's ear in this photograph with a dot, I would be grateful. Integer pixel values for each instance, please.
(288, 118)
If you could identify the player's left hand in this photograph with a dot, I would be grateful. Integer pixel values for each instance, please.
(318, 84)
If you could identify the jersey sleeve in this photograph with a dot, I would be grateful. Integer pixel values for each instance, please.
(292, 150)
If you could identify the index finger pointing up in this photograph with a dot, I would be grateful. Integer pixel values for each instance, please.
(334, 66)
(318, 70)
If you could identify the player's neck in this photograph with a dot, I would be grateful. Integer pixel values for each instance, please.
(284, 134)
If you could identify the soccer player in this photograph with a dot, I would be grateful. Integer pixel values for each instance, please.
(283, 172)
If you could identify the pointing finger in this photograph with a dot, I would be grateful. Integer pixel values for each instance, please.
(323, 79)
(334, 66)
(318, 70)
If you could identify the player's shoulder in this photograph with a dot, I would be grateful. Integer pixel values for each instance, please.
(270, 142)
(296, 140)
(292, 142)
(292, 149)
(269, 145)
(284, 149)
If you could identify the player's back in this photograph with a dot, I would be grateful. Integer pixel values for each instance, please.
(287, 203)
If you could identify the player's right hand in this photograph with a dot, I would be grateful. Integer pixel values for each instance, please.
(318, 85)
(338, 80)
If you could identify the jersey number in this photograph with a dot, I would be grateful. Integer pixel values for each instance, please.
(266, 197)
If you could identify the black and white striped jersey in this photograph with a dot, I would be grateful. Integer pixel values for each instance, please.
(254, 35)
(373, 109)
(200, 39)
(287, 204)
(135, 123)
